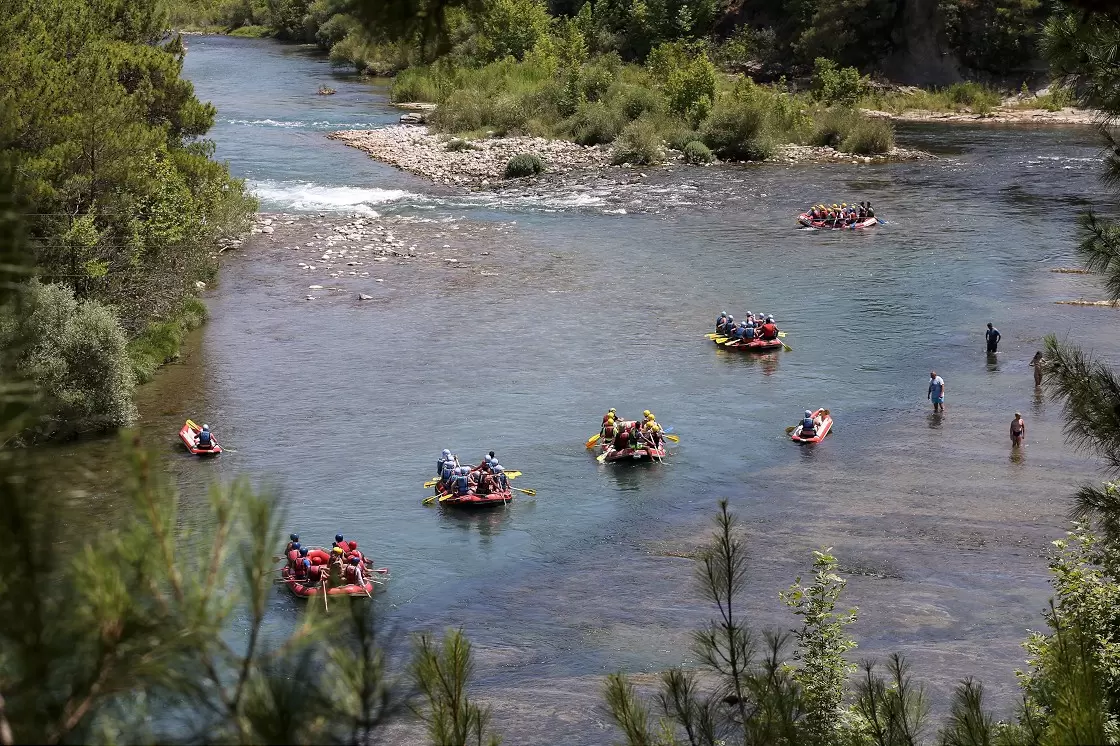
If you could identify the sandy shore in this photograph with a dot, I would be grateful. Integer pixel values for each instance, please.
(999, 115)
(418, 150)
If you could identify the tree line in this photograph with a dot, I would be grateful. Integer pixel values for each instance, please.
(123, 205)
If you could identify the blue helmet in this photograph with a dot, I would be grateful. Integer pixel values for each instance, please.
(307, 563)
(446, 452)
(354, 560)
(808, 413)
(338, 537)
(293, 537)
(303, 552)
(295, 545)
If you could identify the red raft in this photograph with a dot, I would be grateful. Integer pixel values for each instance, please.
(822, 431)
(472, 500)
(808, 222)
(189, 435)
(319, 557)
(644, 453)
(754, 345)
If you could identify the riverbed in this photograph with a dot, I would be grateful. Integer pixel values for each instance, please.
(568, 298)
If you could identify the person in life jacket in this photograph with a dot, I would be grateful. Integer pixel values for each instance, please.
(870, 212)
(448, 474)
(353, 551)
(293, 538)
(353, 572)
(462, 481)
(293, 555)
(728, 325)
(655, 436)
(769, 329)
(612, 414)
(808, 425)
(303, 570)
(205, 439)
(500, 477)
(338, 542)
(607, 431)
(622, 436)
(721, 320)
(335, 567)
(484, 465)
(444, 457)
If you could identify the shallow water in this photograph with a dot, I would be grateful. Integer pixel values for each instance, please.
(606, 291)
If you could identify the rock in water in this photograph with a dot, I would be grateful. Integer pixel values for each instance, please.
(363, 296)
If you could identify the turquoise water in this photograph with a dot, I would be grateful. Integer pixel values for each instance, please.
(605, 294)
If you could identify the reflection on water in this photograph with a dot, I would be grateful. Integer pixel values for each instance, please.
(993, 362)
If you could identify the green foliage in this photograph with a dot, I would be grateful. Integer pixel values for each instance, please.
(251, 32)
(849, 131)
(77, 355)
(821, 645)
(697, 152)
(737, 129)
(441, 672)
(891, 710)
(852, 32)
(640, 143)
(524, 164)
(595, 124)
(976, 97)
(833, 85)
(161, 341)
(458, 145)
(995, 36)
(510, 28)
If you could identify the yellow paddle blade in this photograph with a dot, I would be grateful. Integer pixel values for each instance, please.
(430, 499)
(673, 438)
(193, 425)
(781, 334)
(711, 335)
(787, 346)
(602, 457)
(431, 483)
(721, 340)
(512, 474)
(592, 440)
(790, 429)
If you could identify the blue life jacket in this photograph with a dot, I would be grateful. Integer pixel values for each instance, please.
(439, 465)
(808, 426)
(750, 333)
(720, 320)
(204, 437)
(462, 484)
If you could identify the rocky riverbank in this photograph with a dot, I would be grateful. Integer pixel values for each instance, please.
(999, 115)
(482, 163)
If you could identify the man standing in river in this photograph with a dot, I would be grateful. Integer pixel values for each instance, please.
(992, 338)
(936, 392)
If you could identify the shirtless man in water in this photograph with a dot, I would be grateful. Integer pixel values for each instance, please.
(1018, 430)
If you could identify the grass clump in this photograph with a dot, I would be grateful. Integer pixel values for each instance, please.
(252, 32)
(458, 145)
(524, 164)
(736, 130)
(697, 153)
(161, 341)
(595, 124)
(640, 143)
(849, 131)
(980, 99)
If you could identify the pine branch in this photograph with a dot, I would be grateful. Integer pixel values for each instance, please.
(1090, 393)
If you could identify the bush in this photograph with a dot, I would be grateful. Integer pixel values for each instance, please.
(252, 32)
(832, 126)
(679, 137)
(595, 124)
(414, 84)
(980, 99)
(834, 85)
(869, 136)
(161, 341)
(597, 76)
(462, 111)
(77, 355)
(510, 28)
(697, 152)
(456, 145)
(635, 100)
(737, 130)
(524, 164)
(639, 143)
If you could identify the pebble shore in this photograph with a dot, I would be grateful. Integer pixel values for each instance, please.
(419, 151)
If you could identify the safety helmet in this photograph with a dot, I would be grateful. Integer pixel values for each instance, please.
(446, 452)
(293, 537)
(338, 537)
(354, 560)
(808, 413)
(769, 317)
(498, 468)
(206, 428)
(645, 412)
(612, 410)
(336, 550)
(295, 545)
(749, 314)
(303, 551)
(307, 563)
(353, 545)
(655, 427)
(730, 318)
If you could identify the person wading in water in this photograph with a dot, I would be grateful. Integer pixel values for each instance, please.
(1036, 363)
(936, 392)
(1018, 430)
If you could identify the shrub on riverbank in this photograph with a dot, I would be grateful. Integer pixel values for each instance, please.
(161, 341)
(524, 164)
(850, 132)
(640, 144)
(697, 153)
(974, 97)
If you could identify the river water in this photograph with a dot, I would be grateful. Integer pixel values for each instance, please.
(602, 299)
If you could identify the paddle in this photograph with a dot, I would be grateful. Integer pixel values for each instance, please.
(673, 438)
(429, 499)
(530, 493)
(193, 425)
(788, 348)
(323, 586)
(602, 457)
(592, 441)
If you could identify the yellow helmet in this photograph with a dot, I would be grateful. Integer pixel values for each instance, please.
(650, 417)
(646, 412)
(843, 204)
(337, 550)
(834, 205)
(655, 427)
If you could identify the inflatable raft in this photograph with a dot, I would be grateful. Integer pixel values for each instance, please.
(645, 453)
(189, 435)
(808, 222)
(472, 500)
(822, 431)
(754, 345)
(320, 557)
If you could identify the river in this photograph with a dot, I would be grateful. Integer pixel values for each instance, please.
(344, 406)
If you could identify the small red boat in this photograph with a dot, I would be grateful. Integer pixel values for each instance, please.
(189, 435)
(320, 558)
(643, 453)
(822, 431)
(755, 345)
(806, 220)
(473, 500)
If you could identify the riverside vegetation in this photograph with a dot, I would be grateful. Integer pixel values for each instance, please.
(124, 205)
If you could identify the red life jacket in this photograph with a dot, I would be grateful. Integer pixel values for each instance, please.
(769, 331)
(352, 574)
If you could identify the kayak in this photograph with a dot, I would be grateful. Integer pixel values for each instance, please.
(808, 222)
(754, 345)
(822, 431)
(645, 453)
(188, 435)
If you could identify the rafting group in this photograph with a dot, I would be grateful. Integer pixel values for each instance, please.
(839, 216)
(621, 439)
(471, 486)
(340, 570)
(754, 333)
